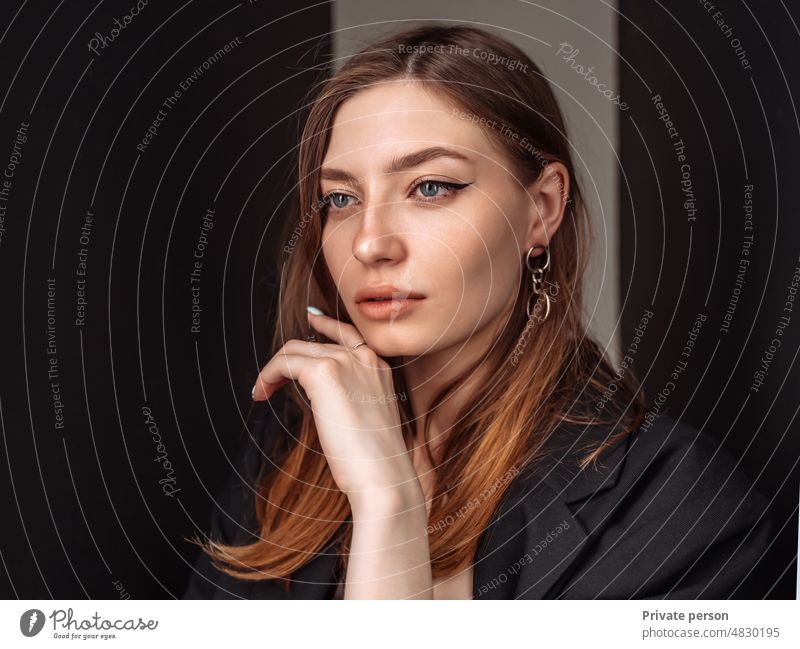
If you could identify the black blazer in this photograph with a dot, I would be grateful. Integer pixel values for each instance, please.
(667, 515)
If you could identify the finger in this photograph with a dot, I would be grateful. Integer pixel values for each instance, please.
(343, 333)
(278, 372)
(315, 350)
(269, 388)
(297, 347)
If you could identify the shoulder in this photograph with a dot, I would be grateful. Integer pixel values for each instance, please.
(663, 460)
(672, 463)
(667, 512)
(693, 523)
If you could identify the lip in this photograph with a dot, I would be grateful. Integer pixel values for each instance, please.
(388, 309)
(385, 291)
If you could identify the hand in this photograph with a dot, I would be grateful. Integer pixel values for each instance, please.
(351, 393)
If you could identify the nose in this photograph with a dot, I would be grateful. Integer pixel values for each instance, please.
(377, 240)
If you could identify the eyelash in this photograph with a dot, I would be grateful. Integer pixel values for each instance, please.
(453, 187)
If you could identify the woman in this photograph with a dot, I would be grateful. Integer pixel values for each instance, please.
(457, 433)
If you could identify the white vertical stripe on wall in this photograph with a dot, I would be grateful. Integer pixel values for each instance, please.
(589, 26)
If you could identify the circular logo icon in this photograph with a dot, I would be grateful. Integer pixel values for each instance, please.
(31, 622)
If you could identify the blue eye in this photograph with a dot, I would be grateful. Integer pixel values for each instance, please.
(430, 189)
(431, 192)
(337, 199)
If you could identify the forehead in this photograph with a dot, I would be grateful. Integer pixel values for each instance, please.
(397, 117)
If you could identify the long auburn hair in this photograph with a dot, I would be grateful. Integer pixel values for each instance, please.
(299, 508)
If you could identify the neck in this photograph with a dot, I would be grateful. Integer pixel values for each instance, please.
(426, 375)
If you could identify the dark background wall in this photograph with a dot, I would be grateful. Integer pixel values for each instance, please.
(99, 368)
(88, 499)
(711, 242)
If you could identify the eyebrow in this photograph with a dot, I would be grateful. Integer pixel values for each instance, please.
(397, 163)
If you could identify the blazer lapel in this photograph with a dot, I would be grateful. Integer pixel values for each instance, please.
(534, 537)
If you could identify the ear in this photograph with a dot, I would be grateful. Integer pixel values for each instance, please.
(549, 193)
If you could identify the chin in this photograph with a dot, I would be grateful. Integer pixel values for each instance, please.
(394, 340)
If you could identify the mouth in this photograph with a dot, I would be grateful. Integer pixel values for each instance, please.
(385, 292)
(386, 302)
(390, 309)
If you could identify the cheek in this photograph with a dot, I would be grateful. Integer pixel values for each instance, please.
(336, 250)
(487, 270)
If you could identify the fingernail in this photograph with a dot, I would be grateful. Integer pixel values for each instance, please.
(314, 310)
(253, 393)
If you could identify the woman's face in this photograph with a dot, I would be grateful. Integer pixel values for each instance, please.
(421, 200)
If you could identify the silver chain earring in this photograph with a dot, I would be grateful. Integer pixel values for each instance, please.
(537, 277)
